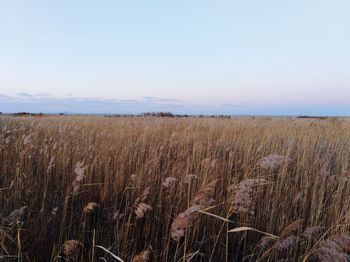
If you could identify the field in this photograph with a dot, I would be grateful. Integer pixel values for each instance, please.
(93, 188)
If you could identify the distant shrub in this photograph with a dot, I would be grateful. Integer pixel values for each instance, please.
(158, 114)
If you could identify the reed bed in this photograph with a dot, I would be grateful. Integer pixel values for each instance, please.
(89, 188)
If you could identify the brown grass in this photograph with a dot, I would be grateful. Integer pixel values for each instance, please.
(101, 188)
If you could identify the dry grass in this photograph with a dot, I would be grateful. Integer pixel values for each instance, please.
(171, 189)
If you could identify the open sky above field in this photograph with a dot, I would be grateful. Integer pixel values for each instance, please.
(194, 57)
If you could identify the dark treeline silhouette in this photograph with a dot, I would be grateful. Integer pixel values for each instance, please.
(147, 114)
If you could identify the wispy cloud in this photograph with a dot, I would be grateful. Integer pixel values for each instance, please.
(231, 105)
(24, 94)
(70, 104)
(46, 103)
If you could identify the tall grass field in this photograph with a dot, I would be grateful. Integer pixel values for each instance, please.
(95, 188)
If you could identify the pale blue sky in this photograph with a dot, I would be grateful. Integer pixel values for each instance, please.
(210, 57)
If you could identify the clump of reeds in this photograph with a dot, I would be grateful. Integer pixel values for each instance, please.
(169, 182)
(91, 209)
(182, 222)
(293, 228)
(188, 178)
(144, 256)
(184, 219)
(289, 240)
(17, 216)
(273, 162)
(335, 248)
(142, 208)
(80, 175)
(91, 213)
(243, 200)
(311, 233)
(72, 250)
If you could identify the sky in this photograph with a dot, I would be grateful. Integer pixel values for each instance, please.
(192, 57)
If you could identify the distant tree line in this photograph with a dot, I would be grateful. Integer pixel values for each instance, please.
(147, 114)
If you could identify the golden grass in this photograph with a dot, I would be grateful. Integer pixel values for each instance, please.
(174, 189)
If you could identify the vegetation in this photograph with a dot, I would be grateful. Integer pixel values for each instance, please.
(85, 188)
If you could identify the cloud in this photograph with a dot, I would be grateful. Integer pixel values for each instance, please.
(148, 98)
(70, 104)
(24, 94)
(169, 100)
(231, 105)
(45, 103)
(26, 102)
